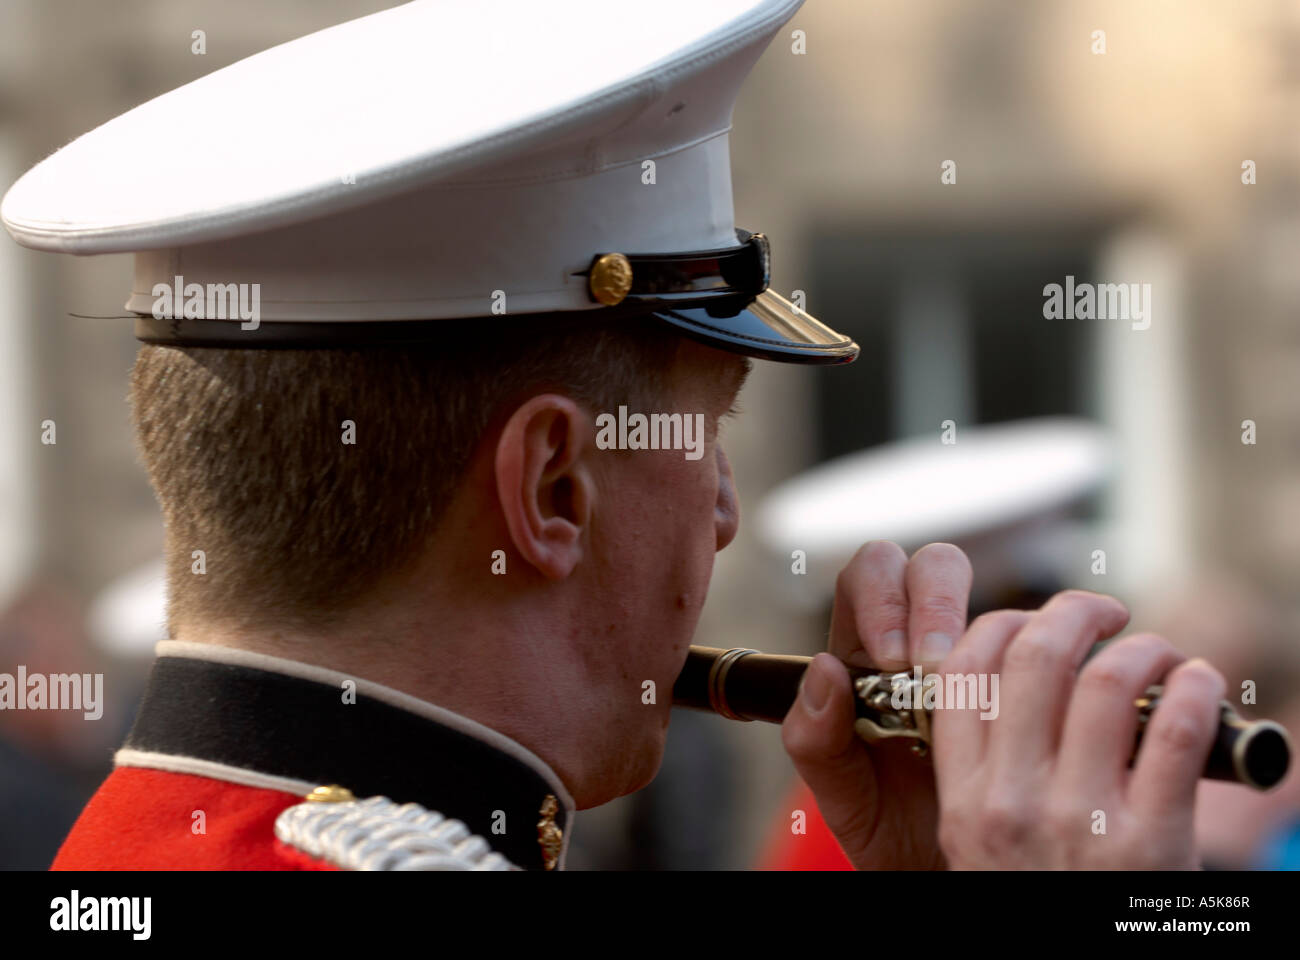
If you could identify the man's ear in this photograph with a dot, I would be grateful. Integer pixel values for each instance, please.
(544, 482)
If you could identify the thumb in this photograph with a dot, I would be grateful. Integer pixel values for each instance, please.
(818, 735)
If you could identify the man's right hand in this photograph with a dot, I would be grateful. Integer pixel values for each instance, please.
(1047, 783)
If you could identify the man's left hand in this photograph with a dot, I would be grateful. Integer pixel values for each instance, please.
(890, 613)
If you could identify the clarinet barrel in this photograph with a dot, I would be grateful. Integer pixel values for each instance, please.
(743, 684)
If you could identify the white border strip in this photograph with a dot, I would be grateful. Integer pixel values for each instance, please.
(174, 763)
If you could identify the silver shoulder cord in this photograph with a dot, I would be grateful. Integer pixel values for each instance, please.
(378, 834)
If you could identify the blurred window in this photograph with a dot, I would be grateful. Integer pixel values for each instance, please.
(951, 327)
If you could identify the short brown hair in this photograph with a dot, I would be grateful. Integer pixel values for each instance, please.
(244, 450)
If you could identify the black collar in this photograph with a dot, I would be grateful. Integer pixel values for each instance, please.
(283, 719)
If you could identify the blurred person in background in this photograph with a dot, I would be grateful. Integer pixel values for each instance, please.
(51, 761)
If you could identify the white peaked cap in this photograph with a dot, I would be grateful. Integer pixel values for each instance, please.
(408, 165)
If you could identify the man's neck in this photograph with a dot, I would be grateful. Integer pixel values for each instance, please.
(485, 674)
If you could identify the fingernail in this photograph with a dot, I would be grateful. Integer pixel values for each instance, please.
(816, 689)
(935, 646)
(893, 646)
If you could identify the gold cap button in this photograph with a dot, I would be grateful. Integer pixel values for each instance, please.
(610, 278)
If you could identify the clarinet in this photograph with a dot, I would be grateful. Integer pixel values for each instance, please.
(743, 684)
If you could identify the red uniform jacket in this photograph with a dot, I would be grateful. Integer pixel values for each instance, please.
(226, 741)
(143, 819)
(817, 849)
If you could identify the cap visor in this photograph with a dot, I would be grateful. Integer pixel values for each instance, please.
(769, 326)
